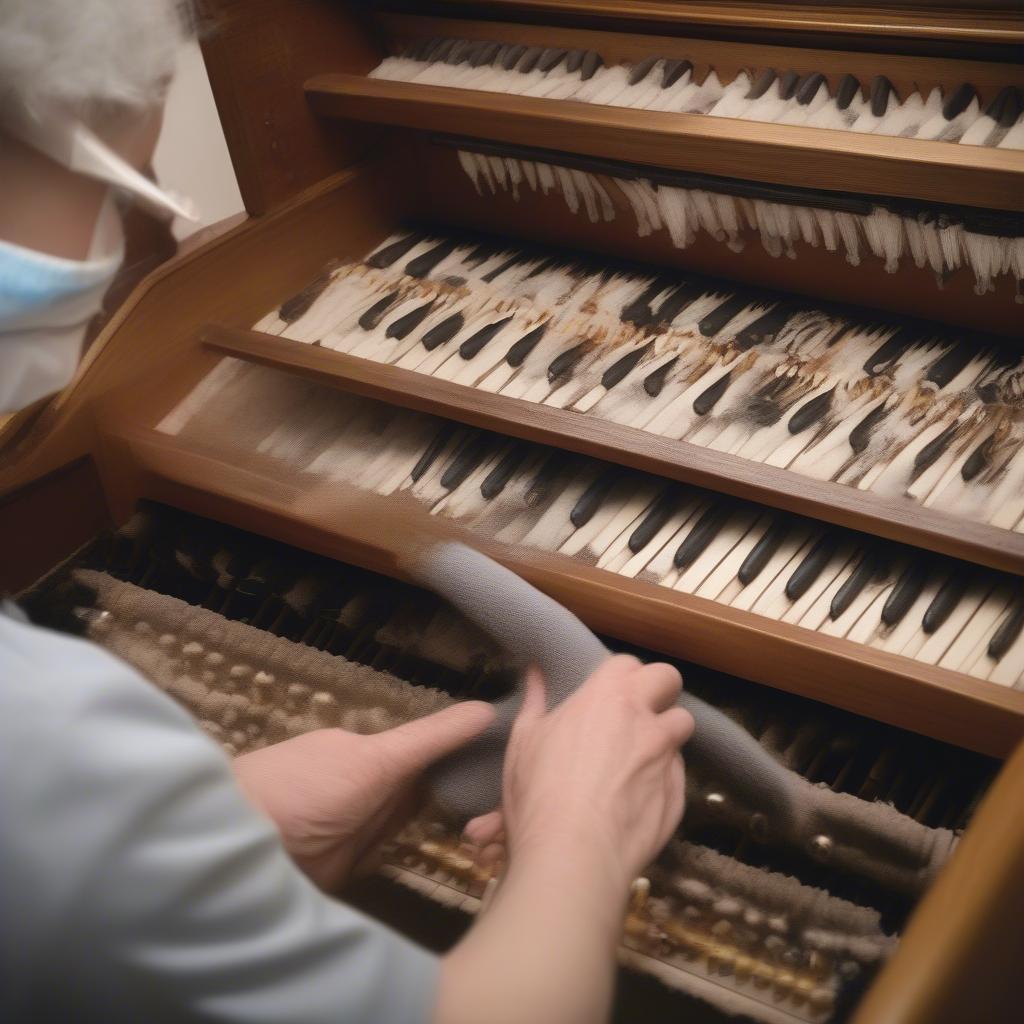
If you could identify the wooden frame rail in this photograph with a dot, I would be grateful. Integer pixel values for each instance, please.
(945, 21)
(782, 154)
(900, 520)
(936, 702)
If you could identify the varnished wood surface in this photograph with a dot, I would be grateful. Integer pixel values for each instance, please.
(257, 54)
(936, 702)
(959, 959)
(447, 197)
(783, 154)
(906, 72)
(884, 19)
(901, 520)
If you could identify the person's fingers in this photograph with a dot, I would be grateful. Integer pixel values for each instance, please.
(658, 685)
(416, 744)
(490, 855)
(485, 829)
(534, 700)
(678, 723)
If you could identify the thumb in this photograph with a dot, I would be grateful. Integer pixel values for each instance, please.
(414, 745)
(534, 700)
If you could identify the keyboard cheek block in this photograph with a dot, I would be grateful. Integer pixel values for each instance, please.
(778, 805)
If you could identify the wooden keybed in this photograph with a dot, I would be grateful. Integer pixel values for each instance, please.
(320, 189)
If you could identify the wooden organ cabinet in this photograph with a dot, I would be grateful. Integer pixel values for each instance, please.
(719, 305)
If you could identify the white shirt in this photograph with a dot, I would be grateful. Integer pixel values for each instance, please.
(137, 884)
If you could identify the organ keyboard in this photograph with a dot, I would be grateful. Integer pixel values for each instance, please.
(703, 317)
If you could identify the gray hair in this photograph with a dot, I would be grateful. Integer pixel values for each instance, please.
(90, 54)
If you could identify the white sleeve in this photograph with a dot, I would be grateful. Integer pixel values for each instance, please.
(136, 883)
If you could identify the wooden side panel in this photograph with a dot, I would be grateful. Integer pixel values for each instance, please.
(258, 53)
(959, 960)
(45, 522)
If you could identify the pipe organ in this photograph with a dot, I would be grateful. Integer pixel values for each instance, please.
(704, 318)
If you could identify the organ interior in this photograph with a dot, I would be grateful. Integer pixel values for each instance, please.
(707, 323)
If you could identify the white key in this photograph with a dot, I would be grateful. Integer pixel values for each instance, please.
(1009, 670)
(724, 541)
(975, 635)
(725, 572)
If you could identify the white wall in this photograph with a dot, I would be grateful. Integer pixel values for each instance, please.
(192, 157)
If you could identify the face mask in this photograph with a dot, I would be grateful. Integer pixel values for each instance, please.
(46, 303)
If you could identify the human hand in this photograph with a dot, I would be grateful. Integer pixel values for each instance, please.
(335, 795)
(600, 775)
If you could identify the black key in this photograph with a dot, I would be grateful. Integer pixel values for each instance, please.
(474, 344)
(466, 460)
(1006, 635)
(787, 85)
(404, 325)
(760, 554)
(942, 604)
(676, 301)
(495, 481)
(512, 56)
(372, 317)
(673, 71)
(881, 90)
(655, 380)
(708, 398)
(934, 448)
(298, 305)
(574, 60)
(722, 314)
(848, 88)
(866, 569)
(811, 567)
(593, 497)
(950, 364)
(760, 85)
(706, 529)
(890, 351)
(638, 311)
(907, 590)
(517, 354)
(442, 52)
(809, 88)
(419, 49)
(443, 332)
(529, 59)
(546, 476)
(395, 251)
(563, 364)
(1005, 109)
(423, 265)
(591, 62)
(861, 434)
(430, 454)
(657, 516)
(433, 48)
(500, 269)
(978, 459)
(642, 70)
(550, 59)
(959, 101)
(765, 328)
(621, 367)
(811, 412)
(461, 51)
(470, 53)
